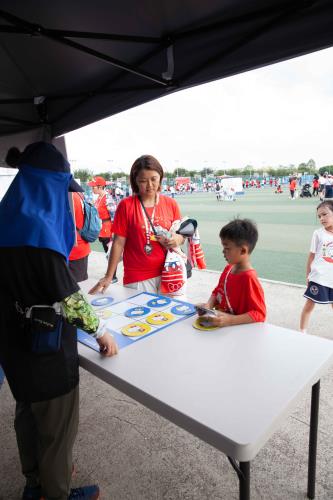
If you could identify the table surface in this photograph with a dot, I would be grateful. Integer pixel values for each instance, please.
(230, 387)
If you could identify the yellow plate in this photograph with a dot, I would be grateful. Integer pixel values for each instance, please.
(159, 318)
(135, 329)
(198, 326)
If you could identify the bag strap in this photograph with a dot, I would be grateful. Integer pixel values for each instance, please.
(225, 292)
(149, 219)
(83, 201)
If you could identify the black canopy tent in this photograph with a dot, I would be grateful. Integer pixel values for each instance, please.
(67, 64)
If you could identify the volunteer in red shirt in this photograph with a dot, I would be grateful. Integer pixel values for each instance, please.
(103, 205)
(143, 252)
(78, 258)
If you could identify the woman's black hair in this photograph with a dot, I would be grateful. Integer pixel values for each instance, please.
(145, 162)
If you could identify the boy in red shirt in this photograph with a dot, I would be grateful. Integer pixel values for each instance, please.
(238, 297)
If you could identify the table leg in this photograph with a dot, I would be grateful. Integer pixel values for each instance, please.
(243, 472)
(244, 481)
(313, 439)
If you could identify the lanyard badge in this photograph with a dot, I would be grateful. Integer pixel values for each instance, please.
(148, 248)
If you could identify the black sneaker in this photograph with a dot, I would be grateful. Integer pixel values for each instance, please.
(84, 493)
(32, 493)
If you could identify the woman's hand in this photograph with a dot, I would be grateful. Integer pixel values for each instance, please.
(107, 344)
(175, 240)
(101, 286)
(116, 252)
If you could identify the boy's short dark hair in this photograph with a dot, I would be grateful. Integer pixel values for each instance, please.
(241, 232)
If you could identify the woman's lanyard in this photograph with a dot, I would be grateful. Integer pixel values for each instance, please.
(148, 248)
(225, 292)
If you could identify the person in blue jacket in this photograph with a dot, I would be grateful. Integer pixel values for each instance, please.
(41, 304)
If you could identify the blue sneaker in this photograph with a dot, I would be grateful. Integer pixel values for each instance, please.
(32, 493)
(84, 493)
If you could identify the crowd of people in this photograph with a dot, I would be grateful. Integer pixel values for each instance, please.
(43, 257)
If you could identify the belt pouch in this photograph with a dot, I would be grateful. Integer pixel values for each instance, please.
(45, 327)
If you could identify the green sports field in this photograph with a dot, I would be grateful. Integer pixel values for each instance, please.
(285, 229)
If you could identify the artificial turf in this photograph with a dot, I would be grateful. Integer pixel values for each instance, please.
(285, 229)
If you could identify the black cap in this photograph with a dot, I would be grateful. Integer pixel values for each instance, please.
(42, 155)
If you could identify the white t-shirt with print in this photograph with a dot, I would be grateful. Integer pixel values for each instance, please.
(322, 264)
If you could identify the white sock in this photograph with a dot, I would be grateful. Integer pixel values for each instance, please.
(303, 330)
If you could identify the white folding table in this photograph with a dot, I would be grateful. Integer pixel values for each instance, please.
(231, 387)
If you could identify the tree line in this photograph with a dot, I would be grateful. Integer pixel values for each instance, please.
(248, 171)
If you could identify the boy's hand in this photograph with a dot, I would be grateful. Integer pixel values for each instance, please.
(107, 344)
(200, 308)
(220, 319)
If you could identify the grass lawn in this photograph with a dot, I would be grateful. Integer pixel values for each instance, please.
(285, 229)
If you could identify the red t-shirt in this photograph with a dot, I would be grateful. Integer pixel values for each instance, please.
(292, 185)
(244, 292)
(81, 248)
(129, 223)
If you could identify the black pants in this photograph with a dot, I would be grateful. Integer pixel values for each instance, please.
(105, 242)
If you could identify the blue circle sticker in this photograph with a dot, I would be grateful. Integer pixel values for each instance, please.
(137, 311)
(102, 301)
(159, 302)
(183, 309)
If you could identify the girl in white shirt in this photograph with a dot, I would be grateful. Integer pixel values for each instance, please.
(319, 268)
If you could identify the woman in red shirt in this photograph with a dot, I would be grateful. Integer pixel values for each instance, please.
(143, 251)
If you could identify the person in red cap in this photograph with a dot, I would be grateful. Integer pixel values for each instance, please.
(103, 205)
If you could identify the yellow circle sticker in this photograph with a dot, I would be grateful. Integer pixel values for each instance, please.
(160, 318)
(135, 329)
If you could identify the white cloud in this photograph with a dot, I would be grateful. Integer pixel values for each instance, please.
(279, 114)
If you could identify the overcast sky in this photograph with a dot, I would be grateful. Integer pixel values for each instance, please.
(277, 115)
